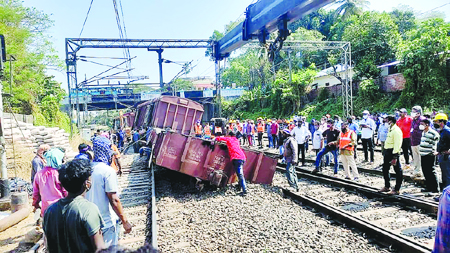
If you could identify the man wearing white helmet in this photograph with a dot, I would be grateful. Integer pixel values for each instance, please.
(367, 126)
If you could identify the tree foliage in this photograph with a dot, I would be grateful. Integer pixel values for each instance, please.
(424, 54)
(33, 91)
(374, 37)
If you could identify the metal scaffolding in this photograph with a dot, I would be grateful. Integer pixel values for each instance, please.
(73, 45)
(345, 58)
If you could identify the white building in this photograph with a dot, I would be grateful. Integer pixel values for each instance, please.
(325, 78)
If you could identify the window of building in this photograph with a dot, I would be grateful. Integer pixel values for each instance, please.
(392, 70)
(327, 84)
(315, 86)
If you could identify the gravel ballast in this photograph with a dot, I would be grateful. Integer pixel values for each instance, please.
(262, 221)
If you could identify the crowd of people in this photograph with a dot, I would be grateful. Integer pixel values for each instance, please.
(83, 193)
(424, 137)
(79, 200)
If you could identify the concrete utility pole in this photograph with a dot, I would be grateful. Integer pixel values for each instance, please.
(290, 66)
(218, 88)
(4, 182)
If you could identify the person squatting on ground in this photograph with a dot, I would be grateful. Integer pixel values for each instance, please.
(416, 135)
(237, 157)
(104, 192)
(427, 149)
(405, 123)
(367, 126)
(391, 154)
(72, 224)
(291, 157)
(347, 140)
(46, 186)
(332, 135)
(38, 162)
(443, 147)
(301, 135)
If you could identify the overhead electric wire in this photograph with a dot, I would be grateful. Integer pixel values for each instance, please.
(122, 34)
(433, 9)
(101, 64)
(108, 70)
(87, 15)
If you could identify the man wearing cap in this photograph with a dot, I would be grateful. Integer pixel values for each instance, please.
(405, 123)
(332, 135)
(291, 157)
(367, 126)
(260, 130)
(416, 135)
(301, 135)
(198, 129)
(443, 147)
(427, 148)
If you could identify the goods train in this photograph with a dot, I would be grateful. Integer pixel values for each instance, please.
(170, 123)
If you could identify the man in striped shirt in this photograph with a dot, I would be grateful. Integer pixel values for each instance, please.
(427, 149)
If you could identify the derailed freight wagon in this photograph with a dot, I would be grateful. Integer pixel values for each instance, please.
(172, 120)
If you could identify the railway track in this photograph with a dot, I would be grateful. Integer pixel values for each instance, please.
(400, 222)
(136, 185)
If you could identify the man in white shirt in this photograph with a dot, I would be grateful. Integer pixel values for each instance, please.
(301, 135)
(104, 192)
(367, 126)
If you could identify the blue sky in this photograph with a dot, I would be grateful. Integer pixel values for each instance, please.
(160, 19)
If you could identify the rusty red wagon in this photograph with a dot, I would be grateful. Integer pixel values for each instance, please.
(172, 121)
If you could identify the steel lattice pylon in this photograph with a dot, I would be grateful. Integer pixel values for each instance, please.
(346, 61)
(73, 45)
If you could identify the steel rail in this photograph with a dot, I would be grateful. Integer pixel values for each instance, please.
(370, 192)
(380, 234)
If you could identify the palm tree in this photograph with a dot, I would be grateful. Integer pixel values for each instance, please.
(350, 7)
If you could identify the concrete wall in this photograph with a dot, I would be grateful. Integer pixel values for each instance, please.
(19, 117)
(392, 83)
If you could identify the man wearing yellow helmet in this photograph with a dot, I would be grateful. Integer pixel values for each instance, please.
(443, 146)
(442, 240)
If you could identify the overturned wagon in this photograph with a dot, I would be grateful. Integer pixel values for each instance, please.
(172, 122)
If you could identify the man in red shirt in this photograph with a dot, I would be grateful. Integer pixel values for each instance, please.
(237, 157)
(405, 123)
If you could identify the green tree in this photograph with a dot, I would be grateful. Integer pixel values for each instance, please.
(182, 84)
(373, 37)
(348, 8)
(403, 16)
(33, 91)
(320, 20)
(424, 57)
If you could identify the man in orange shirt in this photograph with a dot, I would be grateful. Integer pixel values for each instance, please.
(260, 130)
(405, 123)
(198, 129)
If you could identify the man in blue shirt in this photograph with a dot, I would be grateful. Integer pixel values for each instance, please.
(136, 141)
(443, 147)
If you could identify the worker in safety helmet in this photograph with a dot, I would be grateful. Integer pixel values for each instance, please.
(442, 238)
(198, 129)
(260, 129)
(237, 157)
